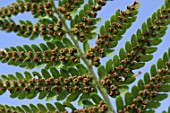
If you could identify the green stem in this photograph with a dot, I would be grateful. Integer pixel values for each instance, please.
(102, 90)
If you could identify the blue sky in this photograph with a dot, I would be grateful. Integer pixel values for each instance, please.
(146, 9)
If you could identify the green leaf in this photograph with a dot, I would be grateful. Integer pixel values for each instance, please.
(129, 80)
(169, 52)
(82, 69)
(67, 104)
(164, 111)
(155, 41)
(107, 24)
(102, 30)
(149, 22)
(42, 107)
(62, 95)
(59, 106)
(141, 85)
(33, 108)
(135, 91)
(20, 109)
(139, 34)
(146, 58)
(116, 60)
(144, 27)
(153, 70)
(165, 57)
(113, 18)
(31, 95)
(122, 54)
(151, 50)
(43, 46)
(45, 74)
(138, 65)
(11, 77)
(26, 108)
(27, 48)
(123, 89)
(50, 45)
(86, 46)
(64, 73)
(81, 14)
(31, 65)
(109, 66)
(36, 74)
(128, 98)
(154, 16)
(152, 104)
(146, 78)
(128, 46)
(101, 71)
(73, 71)
(67, 42)
(42, 94)
(20, 48)
(51, 95)
(160, 63)
(165, 88)
(4, 77)
(167, 3)
(95, 97)
(119, 103)
(73, 96)
(112, 44)
(83, 96)
(19, 76)
(35, 48)
(28, 75)
(150, 111)
(87, 103)
(50, 107)
(134, 40)
(160, 97)
(21, 96)
(72, 24)
(55, 73)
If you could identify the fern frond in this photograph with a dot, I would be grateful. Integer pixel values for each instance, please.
(83, 25)
(58, 55)
(148, 93)
(49, 30)
(69, 8)
(56, 108)
(111, 32)
(66, 84)
(39, 10)
(136, 52)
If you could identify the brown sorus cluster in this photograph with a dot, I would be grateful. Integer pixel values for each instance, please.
(72, 84)
(91, 55)
(42, 9)
(64, 55)
(52, 30)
